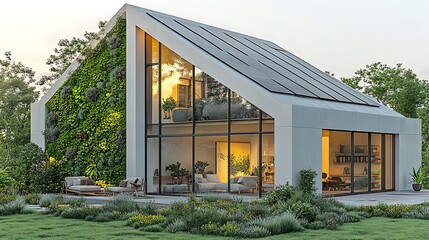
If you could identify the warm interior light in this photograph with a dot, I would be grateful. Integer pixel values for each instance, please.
(325, 152)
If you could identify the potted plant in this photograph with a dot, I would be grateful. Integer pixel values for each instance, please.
(417, 179)
(200, 168)
(168, 105)
(177, 172)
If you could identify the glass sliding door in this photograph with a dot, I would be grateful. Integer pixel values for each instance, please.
(176, 165)
(360, 163)
(389, 162)
(336, 162)
(376, 162)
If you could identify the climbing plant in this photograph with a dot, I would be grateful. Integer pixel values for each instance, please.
(85, 119)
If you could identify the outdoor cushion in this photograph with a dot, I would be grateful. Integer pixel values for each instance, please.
(120, 189)
(123, 184)
(69, 180)
(86, 188)
(76, 182)
(201, 180)
(198, 175)
(87, 181)
(213, 178)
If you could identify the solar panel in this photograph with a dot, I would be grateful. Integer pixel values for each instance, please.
(264, 62)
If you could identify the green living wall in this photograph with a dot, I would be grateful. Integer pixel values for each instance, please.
(85, 119)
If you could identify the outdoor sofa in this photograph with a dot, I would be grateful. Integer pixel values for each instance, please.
(81, 185)
(129, 185)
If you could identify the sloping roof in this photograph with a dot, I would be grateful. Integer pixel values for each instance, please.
(264, 62)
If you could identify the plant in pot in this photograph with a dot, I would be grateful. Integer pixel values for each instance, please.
(177, 172)
(200, 168)
(417, 179)
(168, 105)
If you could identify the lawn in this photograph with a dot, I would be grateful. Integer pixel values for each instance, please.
(38, 226)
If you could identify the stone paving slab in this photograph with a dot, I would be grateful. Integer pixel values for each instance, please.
(390, 198)
(394, 197)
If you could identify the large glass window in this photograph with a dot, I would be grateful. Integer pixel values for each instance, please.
(360, 167)
(200, 135)
(372, 164)
(336, 162)
(376, 162)
(211, 104)
(389, 162)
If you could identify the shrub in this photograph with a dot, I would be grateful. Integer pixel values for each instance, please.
(177, 225)
(6, 198)
(140, 220)
(103, 217)
(331, 220)
(304, 211)
(67, 89)
(76, 202)
(17, 206)
(210, 228)
(230, 229)
(81, 212)
(32, 198)
(91, 94)
(307, 182)
(281, 193)
(46, 200)
(316, 225)
(5, 179)
(29, 161)
(121, 203)
(253, 232)
(279, 224)
(258, 209)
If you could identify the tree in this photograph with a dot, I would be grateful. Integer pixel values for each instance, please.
(16, 95)
(400, 89)
(396, 87)
(66, 53)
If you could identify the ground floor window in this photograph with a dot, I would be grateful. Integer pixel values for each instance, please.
(241, 163)
(354, 162)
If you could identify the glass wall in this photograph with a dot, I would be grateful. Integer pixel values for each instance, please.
(200, 135)
(354, 162)
(360, 167)
(376, 140)
(389, 162)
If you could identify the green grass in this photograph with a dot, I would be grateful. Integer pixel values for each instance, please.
(40, 226)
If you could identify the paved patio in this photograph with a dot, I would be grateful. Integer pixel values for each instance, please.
(395, 197)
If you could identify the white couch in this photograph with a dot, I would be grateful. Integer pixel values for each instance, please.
(213, 183)
(73, 185)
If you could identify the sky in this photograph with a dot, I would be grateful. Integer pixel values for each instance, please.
(334, 35)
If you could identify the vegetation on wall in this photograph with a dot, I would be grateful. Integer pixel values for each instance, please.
(85, 119)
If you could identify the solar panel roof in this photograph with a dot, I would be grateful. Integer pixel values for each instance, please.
(264, 62)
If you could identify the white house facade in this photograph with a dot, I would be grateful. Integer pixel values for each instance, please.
(241, 114)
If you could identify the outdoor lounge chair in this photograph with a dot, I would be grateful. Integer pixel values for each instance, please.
(81, 185)
(130, 185)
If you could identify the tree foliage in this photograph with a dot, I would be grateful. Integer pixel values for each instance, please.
(66, 52)
(396, 87)
(16, 95)
(400, 89)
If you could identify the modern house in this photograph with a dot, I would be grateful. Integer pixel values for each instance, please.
(244, 111)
